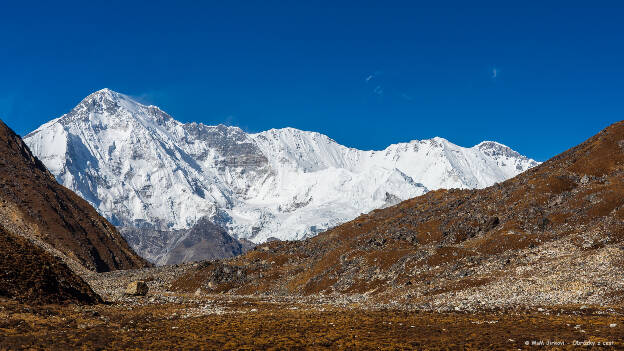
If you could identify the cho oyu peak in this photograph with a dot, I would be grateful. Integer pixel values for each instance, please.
(140, 168)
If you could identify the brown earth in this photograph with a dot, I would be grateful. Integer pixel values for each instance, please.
(231, 323)
(550, 236)
(33, 205)
(31, 275)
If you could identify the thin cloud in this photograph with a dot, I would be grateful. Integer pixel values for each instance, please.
(495, 73)
(372, 76)
(378, 90)
(407, 97)
(231, 120)
(151, 97)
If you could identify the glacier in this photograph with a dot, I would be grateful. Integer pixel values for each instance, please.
(148, 173)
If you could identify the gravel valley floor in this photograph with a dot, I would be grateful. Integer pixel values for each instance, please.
(164, 320)
(218, 323)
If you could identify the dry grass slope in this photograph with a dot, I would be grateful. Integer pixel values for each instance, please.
(247, 324)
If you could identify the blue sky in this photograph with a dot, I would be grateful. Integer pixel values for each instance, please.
(538, 77)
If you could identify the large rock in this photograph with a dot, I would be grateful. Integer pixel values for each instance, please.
(137, 288)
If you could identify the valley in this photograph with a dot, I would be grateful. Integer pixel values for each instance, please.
(311, 175)
(536, 258)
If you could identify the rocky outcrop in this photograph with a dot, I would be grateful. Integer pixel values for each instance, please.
(205, 241)
(151, 243)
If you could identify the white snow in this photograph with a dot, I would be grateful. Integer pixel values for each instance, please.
(140, 167)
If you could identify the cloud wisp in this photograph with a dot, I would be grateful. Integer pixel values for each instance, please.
(382, 86)
(495, 73)
(407, 97)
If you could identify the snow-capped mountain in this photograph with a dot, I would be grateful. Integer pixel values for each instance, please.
(142, 169)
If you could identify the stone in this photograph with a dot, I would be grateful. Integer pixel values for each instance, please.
(137, 288)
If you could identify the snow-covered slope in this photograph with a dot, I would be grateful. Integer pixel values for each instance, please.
(141, 168)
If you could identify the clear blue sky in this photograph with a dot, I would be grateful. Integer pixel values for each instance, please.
(537, 78)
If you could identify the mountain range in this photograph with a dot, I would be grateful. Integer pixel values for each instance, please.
(551, 236)
(155, 178)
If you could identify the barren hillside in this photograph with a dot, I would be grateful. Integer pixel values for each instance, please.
(35, 206)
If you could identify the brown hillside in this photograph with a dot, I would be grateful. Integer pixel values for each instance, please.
(552, 235)
(34, 205)
(31, 275)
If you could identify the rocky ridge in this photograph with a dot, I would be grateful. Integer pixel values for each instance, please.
(553, 235)
(34, 206)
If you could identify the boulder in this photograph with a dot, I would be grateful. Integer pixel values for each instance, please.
(137, 288)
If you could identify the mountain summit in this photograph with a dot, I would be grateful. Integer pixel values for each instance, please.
(144, 170)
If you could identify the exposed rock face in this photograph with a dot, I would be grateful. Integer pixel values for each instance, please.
(31, 275)
(205, 241)
(144, 170)
(137, 288)
(35, 206)
(552, 235)
(154, 244)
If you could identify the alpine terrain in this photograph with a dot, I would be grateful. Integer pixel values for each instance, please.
(552, 236)
(155, 178)
(35, 208)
